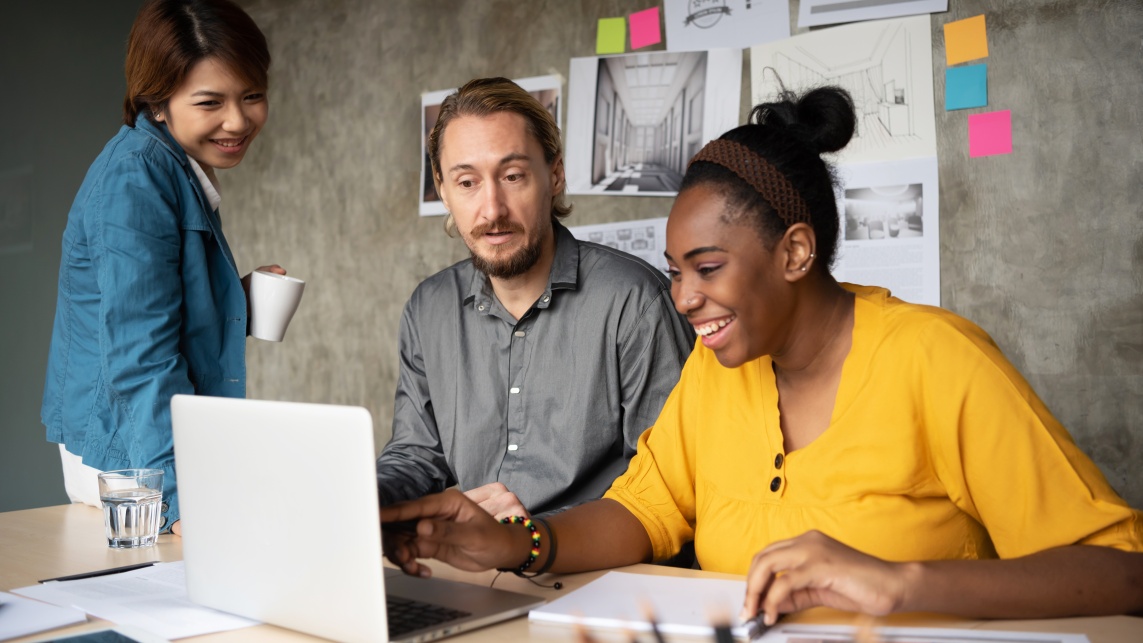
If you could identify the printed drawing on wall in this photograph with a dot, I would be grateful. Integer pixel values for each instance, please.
(885, 65)
(546, 89)
(635, 121)
(695, 25)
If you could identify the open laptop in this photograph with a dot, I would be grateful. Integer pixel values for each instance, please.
(281, 524)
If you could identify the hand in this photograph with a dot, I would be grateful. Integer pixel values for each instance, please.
(177, 528)
(816, 570)
(451, 528)
(498, 501)
(274, 268)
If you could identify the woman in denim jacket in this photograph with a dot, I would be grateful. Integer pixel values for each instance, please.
(150, 302)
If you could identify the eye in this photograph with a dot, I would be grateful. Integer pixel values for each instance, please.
(255, 97)
(674, 274)
(466, 183)
(706, 271)
(514, 177)
(207, 103)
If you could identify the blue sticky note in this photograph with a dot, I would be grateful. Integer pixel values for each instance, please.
(966, 87)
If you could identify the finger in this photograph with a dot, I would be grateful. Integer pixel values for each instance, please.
(441, 505)
(767, 564)
(485, 492)
(274, 268)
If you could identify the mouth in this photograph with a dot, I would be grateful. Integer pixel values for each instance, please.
(714, 330)
(230, 145)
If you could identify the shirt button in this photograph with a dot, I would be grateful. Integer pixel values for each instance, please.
(514, 390)
(513, 447)
(778, 460)
(775, 484)
(546, 298)
(519, 333)
(480, 307)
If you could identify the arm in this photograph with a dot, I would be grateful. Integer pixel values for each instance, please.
(413, 463)
(816, 570)
(136, 247)
(453, 529)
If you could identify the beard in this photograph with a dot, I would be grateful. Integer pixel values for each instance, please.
(505, 264)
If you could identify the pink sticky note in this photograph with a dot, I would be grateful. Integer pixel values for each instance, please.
(645, 28)
(990, 133)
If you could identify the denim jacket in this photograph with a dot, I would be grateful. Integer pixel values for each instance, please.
(150, 304)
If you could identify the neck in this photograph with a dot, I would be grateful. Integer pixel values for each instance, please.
(517, 294)
(822, 332)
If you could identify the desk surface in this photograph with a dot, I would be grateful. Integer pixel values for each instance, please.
(68, 539)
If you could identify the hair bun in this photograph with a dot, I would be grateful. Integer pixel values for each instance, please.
(823, 117)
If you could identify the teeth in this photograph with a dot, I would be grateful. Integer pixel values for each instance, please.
(713, 327)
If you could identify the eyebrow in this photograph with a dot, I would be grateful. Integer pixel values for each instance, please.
(697, 251)
(214, 94)
(514, 156)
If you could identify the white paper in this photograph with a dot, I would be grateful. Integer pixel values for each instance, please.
(20, 616)
(546, 89)
(890, 228)
(846, 634)
(635, 121)
(695, 25)
(644, 238)
(153, 599)
(812, 13)
(885, 65)
(682, 606)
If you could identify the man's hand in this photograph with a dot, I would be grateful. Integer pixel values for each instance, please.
(498, 501)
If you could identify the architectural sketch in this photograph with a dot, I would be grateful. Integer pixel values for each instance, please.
(886, 66)
(885, 212)
(645, 238)
(697, 25)
(635, 121)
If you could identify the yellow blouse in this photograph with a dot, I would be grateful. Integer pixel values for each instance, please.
(937, 449)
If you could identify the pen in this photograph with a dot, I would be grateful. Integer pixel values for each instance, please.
(756, 626)
(101, 572)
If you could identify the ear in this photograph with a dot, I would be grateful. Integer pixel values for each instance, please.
(558, 175)
(159, 116)
(798, 250)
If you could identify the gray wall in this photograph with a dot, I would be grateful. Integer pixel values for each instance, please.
(1043, 248)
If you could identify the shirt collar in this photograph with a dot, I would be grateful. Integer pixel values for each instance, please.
(209, 188)
(562, 276)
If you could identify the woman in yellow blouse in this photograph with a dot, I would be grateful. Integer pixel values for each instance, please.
(838, 446)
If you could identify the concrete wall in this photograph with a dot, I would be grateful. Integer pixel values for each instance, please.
(1043, 248)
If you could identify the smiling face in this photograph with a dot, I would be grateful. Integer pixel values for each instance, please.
(498, 187)
(214, 116)
(731, 286)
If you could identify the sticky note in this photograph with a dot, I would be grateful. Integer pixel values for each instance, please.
(965, 40)
(966, 87)
(990, 133)
(611, 36)
(645, 28)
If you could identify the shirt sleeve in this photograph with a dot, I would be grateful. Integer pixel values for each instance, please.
(136, 252)
(658, 487)
(412, 464)
(1006, 461)
(650, 360)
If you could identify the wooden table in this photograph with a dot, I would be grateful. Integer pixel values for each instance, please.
(68, 539)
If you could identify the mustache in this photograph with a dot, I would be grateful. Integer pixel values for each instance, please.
(504, 226)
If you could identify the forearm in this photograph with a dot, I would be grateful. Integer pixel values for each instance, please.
(596, 535)
(1066, 581)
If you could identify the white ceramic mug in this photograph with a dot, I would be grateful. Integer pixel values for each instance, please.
(273, 300)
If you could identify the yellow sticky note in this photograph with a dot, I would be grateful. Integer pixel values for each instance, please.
(966, 40)
(611, 36)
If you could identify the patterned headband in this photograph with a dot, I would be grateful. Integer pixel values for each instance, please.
(774, 187)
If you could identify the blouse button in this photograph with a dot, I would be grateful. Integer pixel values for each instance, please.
(778, 460)
(775, 484)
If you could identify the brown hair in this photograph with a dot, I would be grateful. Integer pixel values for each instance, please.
(484, 97)
(171, 36)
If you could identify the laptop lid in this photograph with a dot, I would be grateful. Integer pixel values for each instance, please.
(281, 521)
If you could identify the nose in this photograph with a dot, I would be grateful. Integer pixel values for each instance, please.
(686, 299)
(493, 206)
(236, 120)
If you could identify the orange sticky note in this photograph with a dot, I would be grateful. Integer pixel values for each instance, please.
(966, 40)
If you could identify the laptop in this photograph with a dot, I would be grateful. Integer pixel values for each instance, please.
(281, 524)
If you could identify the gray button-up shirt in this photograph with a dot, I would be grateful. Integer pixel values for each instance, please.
(551, 405)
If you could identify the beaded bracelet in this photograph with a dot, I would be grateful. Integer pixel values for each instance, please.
(535, 552)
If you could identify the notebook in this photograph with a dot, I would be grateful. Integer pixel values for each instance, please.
(281, 524)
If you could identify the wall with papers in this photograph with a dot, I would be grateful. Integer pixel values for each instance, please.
(1042, 247)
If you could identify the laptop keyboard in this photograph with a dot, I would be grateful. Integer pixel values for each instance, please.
(407, 615)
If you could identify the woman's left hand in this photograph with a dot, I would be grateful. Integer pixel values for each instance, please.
(274, 268)
(815, 570)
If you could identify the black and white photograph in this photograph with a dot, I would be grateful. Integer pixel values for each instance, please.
(885, 212)
(635, 121)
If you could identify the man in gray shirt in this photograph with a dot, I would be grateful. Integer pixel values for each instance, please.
(527, 372)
